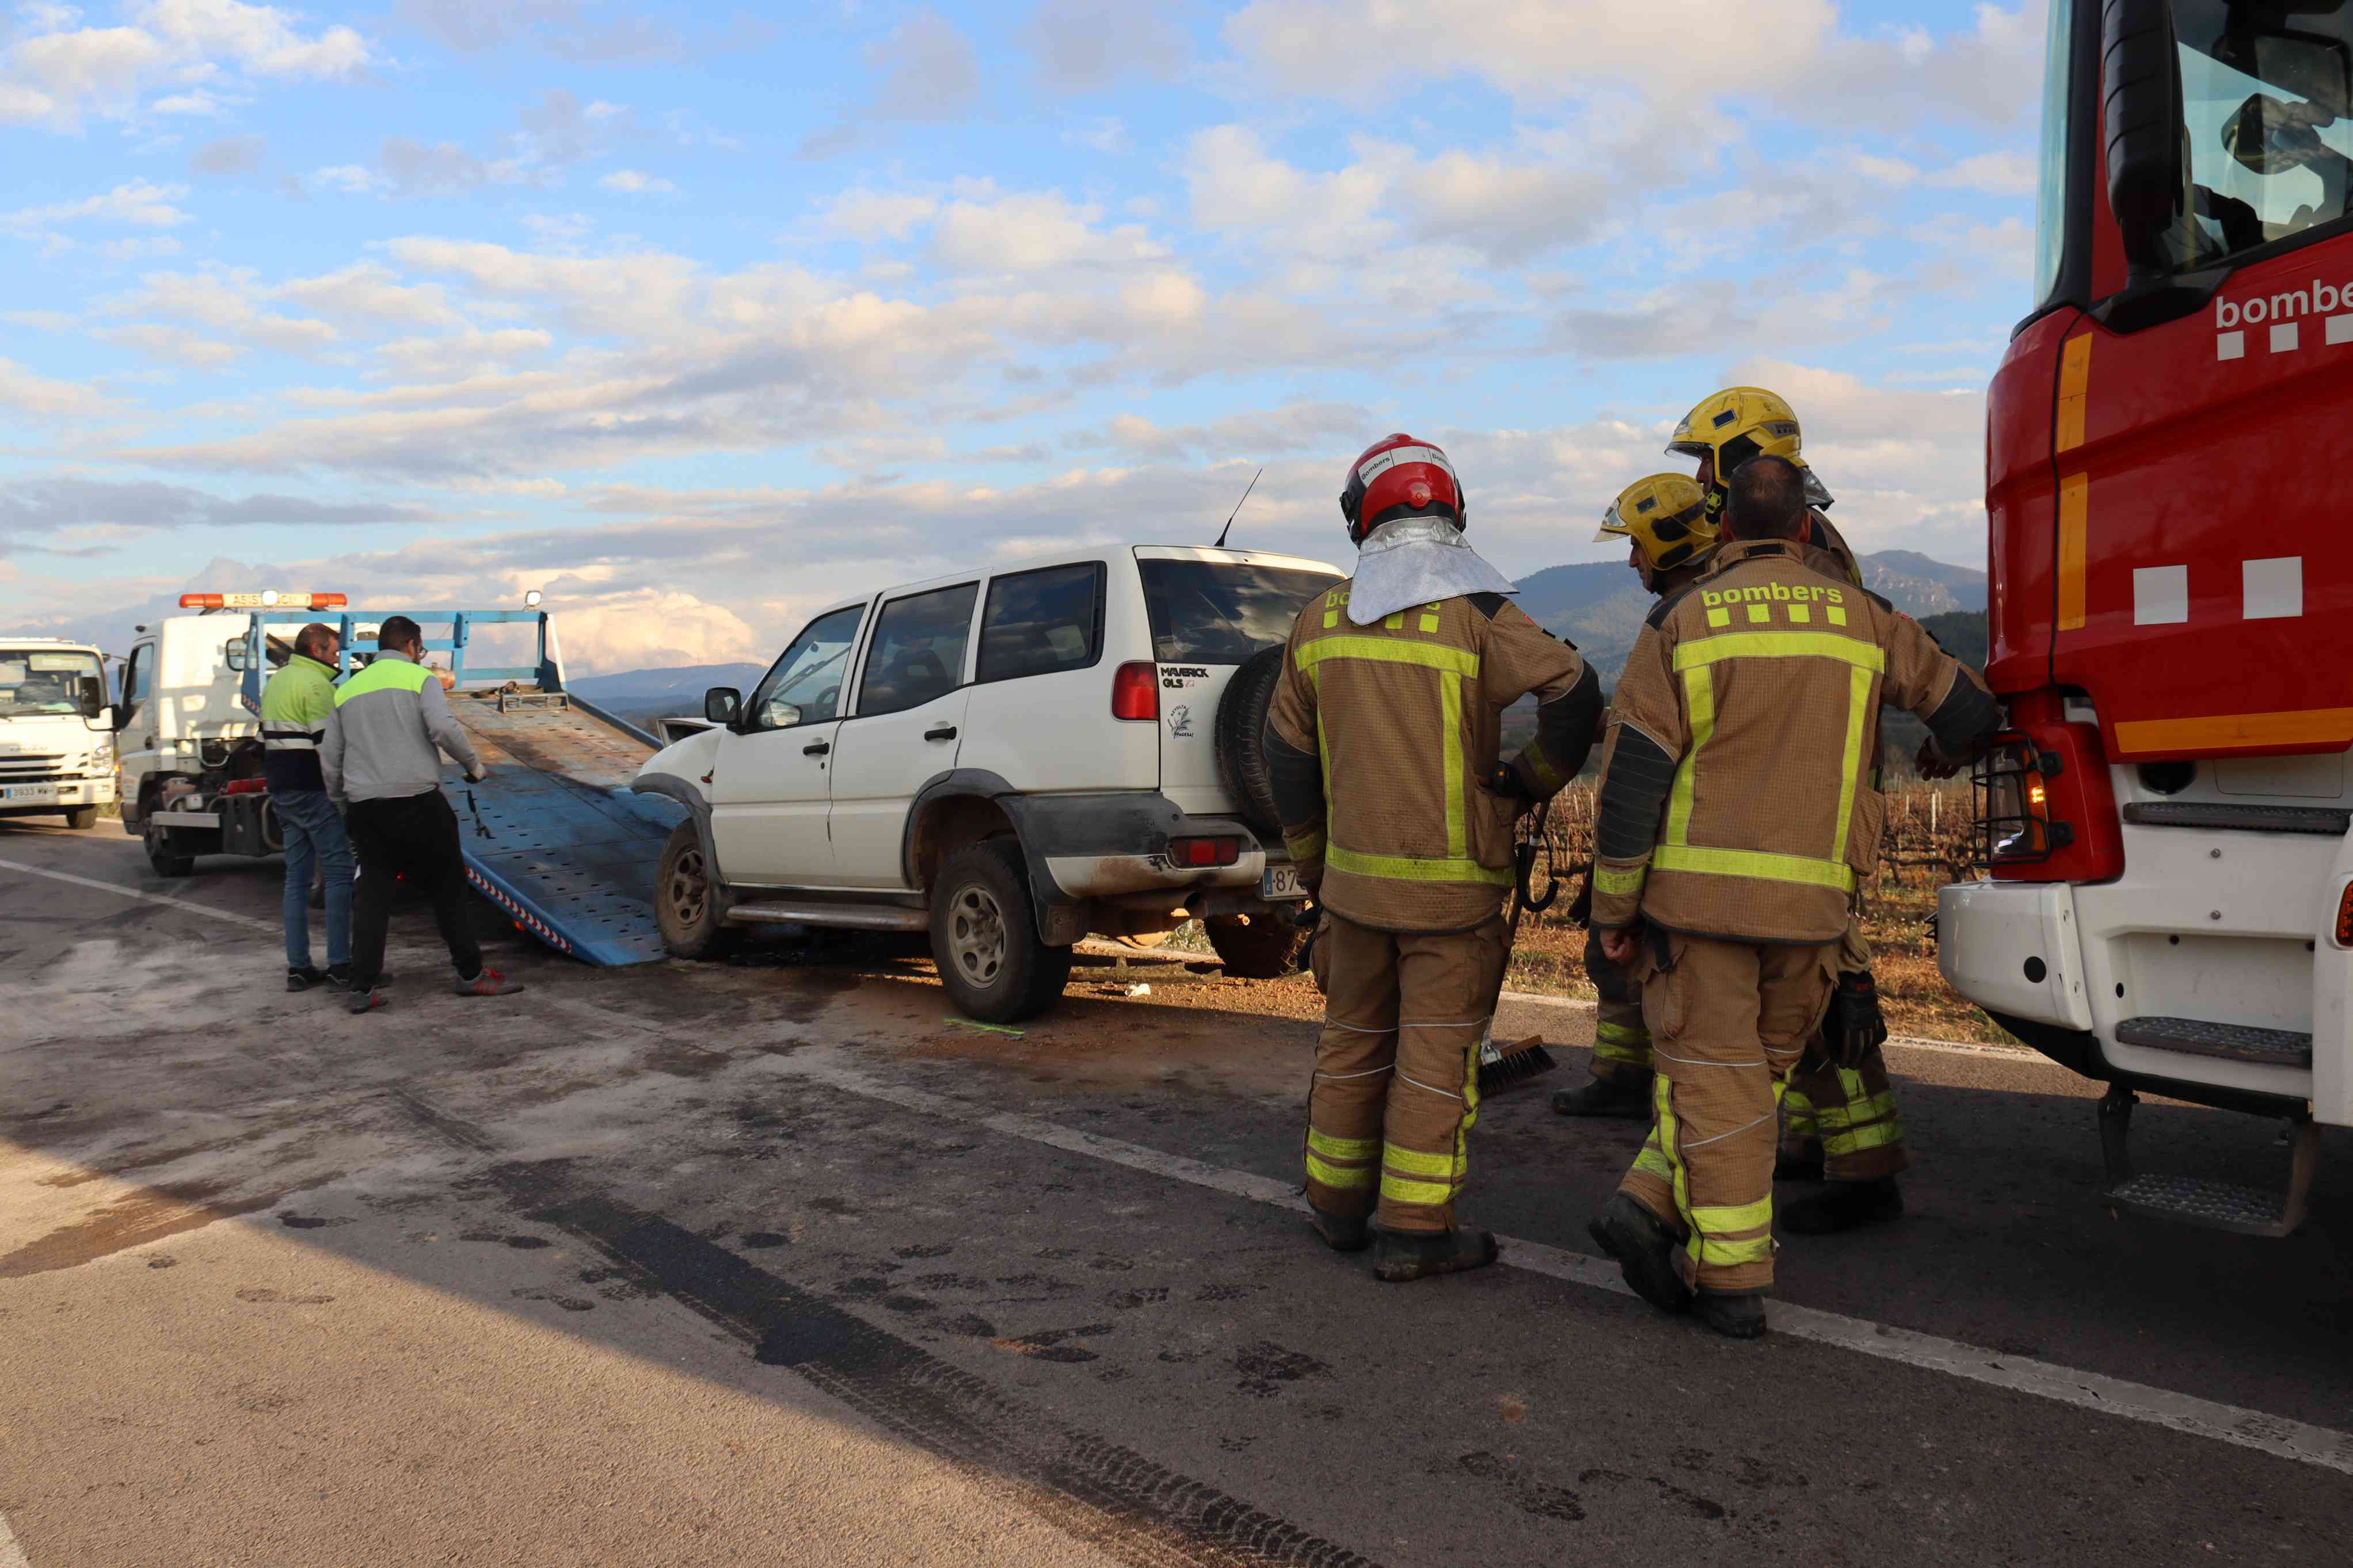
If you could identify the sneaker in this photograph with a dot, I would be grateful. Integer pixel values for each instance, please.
(305, 977)
(1645, 1250)
(489, 982)
(1735, 1317)
(339, 977)
(1844, 1205)
(367, 1001)
(1406, 1255)
(1605, 1097)
(1342, 1232)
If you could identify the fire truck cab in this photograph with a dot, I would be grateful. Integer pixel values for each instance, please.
(2168, 902)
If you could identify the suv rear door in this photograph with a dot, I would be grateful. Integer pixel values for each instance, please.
(1210, 610)
(912, 695)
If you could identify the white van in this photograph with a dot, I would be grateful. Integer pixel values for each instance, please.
(1007, 759)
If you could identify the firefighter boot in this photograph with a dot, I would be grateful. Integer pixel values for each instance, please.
(1342, 1232)
(1403, 1255)
(1736, 1315)
(1606, 1096)
(1844, 1205)
(1645, 1250)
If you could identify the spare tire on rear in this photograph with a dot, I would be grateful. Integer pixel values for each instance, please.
(1240, 739)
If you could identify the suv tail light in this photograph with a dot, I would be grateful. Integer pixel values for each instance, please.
(2046, 810)
(1136, 693)
(1203, 851)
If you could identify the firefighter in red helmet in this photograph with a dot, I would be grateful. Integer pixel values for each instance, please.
(1382, 743)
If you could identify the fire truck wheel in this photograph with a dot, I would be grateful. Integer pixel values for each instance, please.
(1255, 947)
(82, 818)
(690, 905)
(992, 961)
(161, 855)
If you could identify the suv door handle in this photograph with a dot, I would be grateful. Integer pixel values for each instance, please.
(944, 733)
(817, 750)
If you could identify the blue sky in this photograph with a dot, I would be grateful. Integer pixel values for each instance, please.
(697, 318)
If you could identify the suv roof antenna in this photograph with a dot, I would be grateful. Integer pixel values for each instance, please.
(1220, 544)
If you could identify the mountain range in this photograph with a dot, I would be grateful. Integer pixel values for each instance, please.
(1596, 605)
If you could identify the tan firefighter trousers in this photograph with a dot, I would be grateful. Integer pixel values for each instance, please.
(1396, 1070)
(1844, 1117)
(1729, 1021)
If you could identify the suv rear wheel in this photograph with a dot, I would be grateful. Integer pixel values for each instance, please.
(688, 906)
(984, 938)
(1255, 947)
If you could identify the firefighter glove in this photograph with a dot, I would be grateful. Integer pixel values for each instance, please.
(1855, 1023)
(1506, 782)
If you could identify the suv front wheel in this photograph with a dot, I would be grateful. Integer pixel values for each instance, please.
(690, 906)
(985, 936)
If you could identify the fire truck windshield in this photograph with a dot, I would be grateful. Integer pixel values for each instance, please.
(2267, 113)
(2050, 180)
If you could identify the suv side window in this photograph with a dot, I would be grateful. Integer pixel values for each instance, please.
(917, 654)
(137, 676)
(1042, 622)
(805, 686)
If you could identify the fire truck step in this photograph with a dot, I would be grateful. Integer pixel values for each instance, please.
(2233, 1042)
(2326, 821)
(2204, 1201)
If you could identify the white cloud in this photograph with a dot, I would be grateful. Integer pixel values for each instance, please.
(1033, 231)
(349, 178)
(925, 70)
(223, 303)
(229, 155)
(138, 203)
(173, 346)
(2006, 173)
(23, 392)
(1086, 45)
(635, 182)
(57, 72)
(368, 292)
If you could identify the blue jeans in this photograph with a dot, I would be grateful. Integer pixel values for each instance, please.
(314, 836)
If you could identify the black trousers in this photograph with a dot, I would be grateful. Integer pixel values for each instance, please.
(414, 838)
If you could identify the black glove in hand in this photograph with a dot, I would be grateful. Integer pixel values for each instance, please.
(1506, 782)
(1854, 1026)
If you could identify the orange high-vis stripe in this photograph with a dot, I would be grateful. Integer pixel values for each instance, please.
(2074, 492)
(2074, 391)
(2236, 732)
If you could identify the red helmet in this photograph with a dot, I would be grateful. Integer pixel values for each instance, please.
(1399, 476)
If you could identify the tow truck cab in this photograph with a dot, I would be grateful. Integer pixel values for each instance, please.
(2170, 898)
(56, 733)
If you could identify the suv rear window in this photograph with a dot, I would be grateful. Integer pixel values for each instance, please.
(1042, 622)
(1221, 611)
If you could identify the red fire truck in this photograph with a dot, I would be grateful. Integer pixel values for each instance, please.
(2168, 907)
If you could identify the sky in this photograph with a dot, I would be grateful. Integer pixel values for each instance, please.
(699, 317)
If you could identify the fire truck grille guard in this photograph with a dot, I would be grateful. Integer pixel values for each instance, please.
(2006, 832)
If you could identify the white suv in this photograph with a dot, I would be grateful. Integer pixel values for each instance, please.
(1009, 760)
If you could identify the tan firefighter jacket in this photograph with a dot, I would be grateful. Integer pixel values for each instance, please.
(1380, 741)
(1736, 798)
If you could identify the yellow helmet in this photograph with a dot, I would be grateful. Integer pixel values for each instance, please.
(1666, 517)
(1733, 425)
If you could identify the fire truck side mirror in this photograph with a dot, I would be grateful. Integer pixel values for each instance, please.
(2141, 129)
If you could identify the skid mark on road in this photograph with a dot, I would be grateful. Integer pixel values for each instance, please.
(118, 890)
(2270, 1435)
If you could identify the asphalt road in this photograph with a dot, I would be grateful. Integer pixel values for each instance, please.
(773, 1263)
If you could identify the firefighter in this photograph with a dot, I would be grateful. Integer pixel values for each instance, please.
(1840, 1123)
(1381, 743)
(1736, 817)
(1670, 536)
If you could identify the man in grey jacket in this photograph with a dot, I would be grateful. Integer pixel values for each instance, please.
(381, 757)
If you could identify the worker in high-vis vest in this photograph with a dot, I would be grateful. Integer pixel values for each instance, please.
(381, 755)
(1840, 1125)
(1736, 816)
(294, 709)
(1382, 745)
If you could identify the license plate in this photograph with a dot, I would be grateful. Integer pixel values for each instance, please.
(1281, 882)
(14, 792)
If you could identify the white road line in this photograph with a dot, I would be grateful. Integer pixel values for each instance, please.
(205, 910)
(1909, 1042)
(11, 1555)
(2086, 1390)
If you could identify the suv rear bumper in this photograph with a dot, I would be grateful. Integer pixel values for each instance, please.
(1114, 847)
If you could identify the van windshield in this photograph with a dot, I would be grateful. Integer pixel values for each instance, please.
(39, 681)
(1221, 611)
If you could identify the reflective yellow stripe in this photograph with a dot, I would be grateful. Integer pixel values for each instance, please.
(1622, 1034)
(1548, 776)
(1607, 881)
(1414, 1162)
(1858, 709)
(1341, 1178)
(1699, 697)
(1429, 617)
(1395, 622)
(1738, 1216)
(1412, 868)
(1731, 1253)
(1856, 1112)
(1780, 644)
(1387, 650)
(1304, 846)
(1397, 1190)
(1878, 1135)
(1333, 1148)
(1654, 1163)
(1765, 867)
(1450, 726)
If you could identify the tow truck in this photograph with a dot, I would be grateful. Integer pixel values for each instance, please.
(2168, 902)
(553, 836)
(57, 735)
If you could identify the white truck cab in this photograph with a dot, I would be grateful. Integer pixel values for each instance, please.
(56, 731)
(1009, 760)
